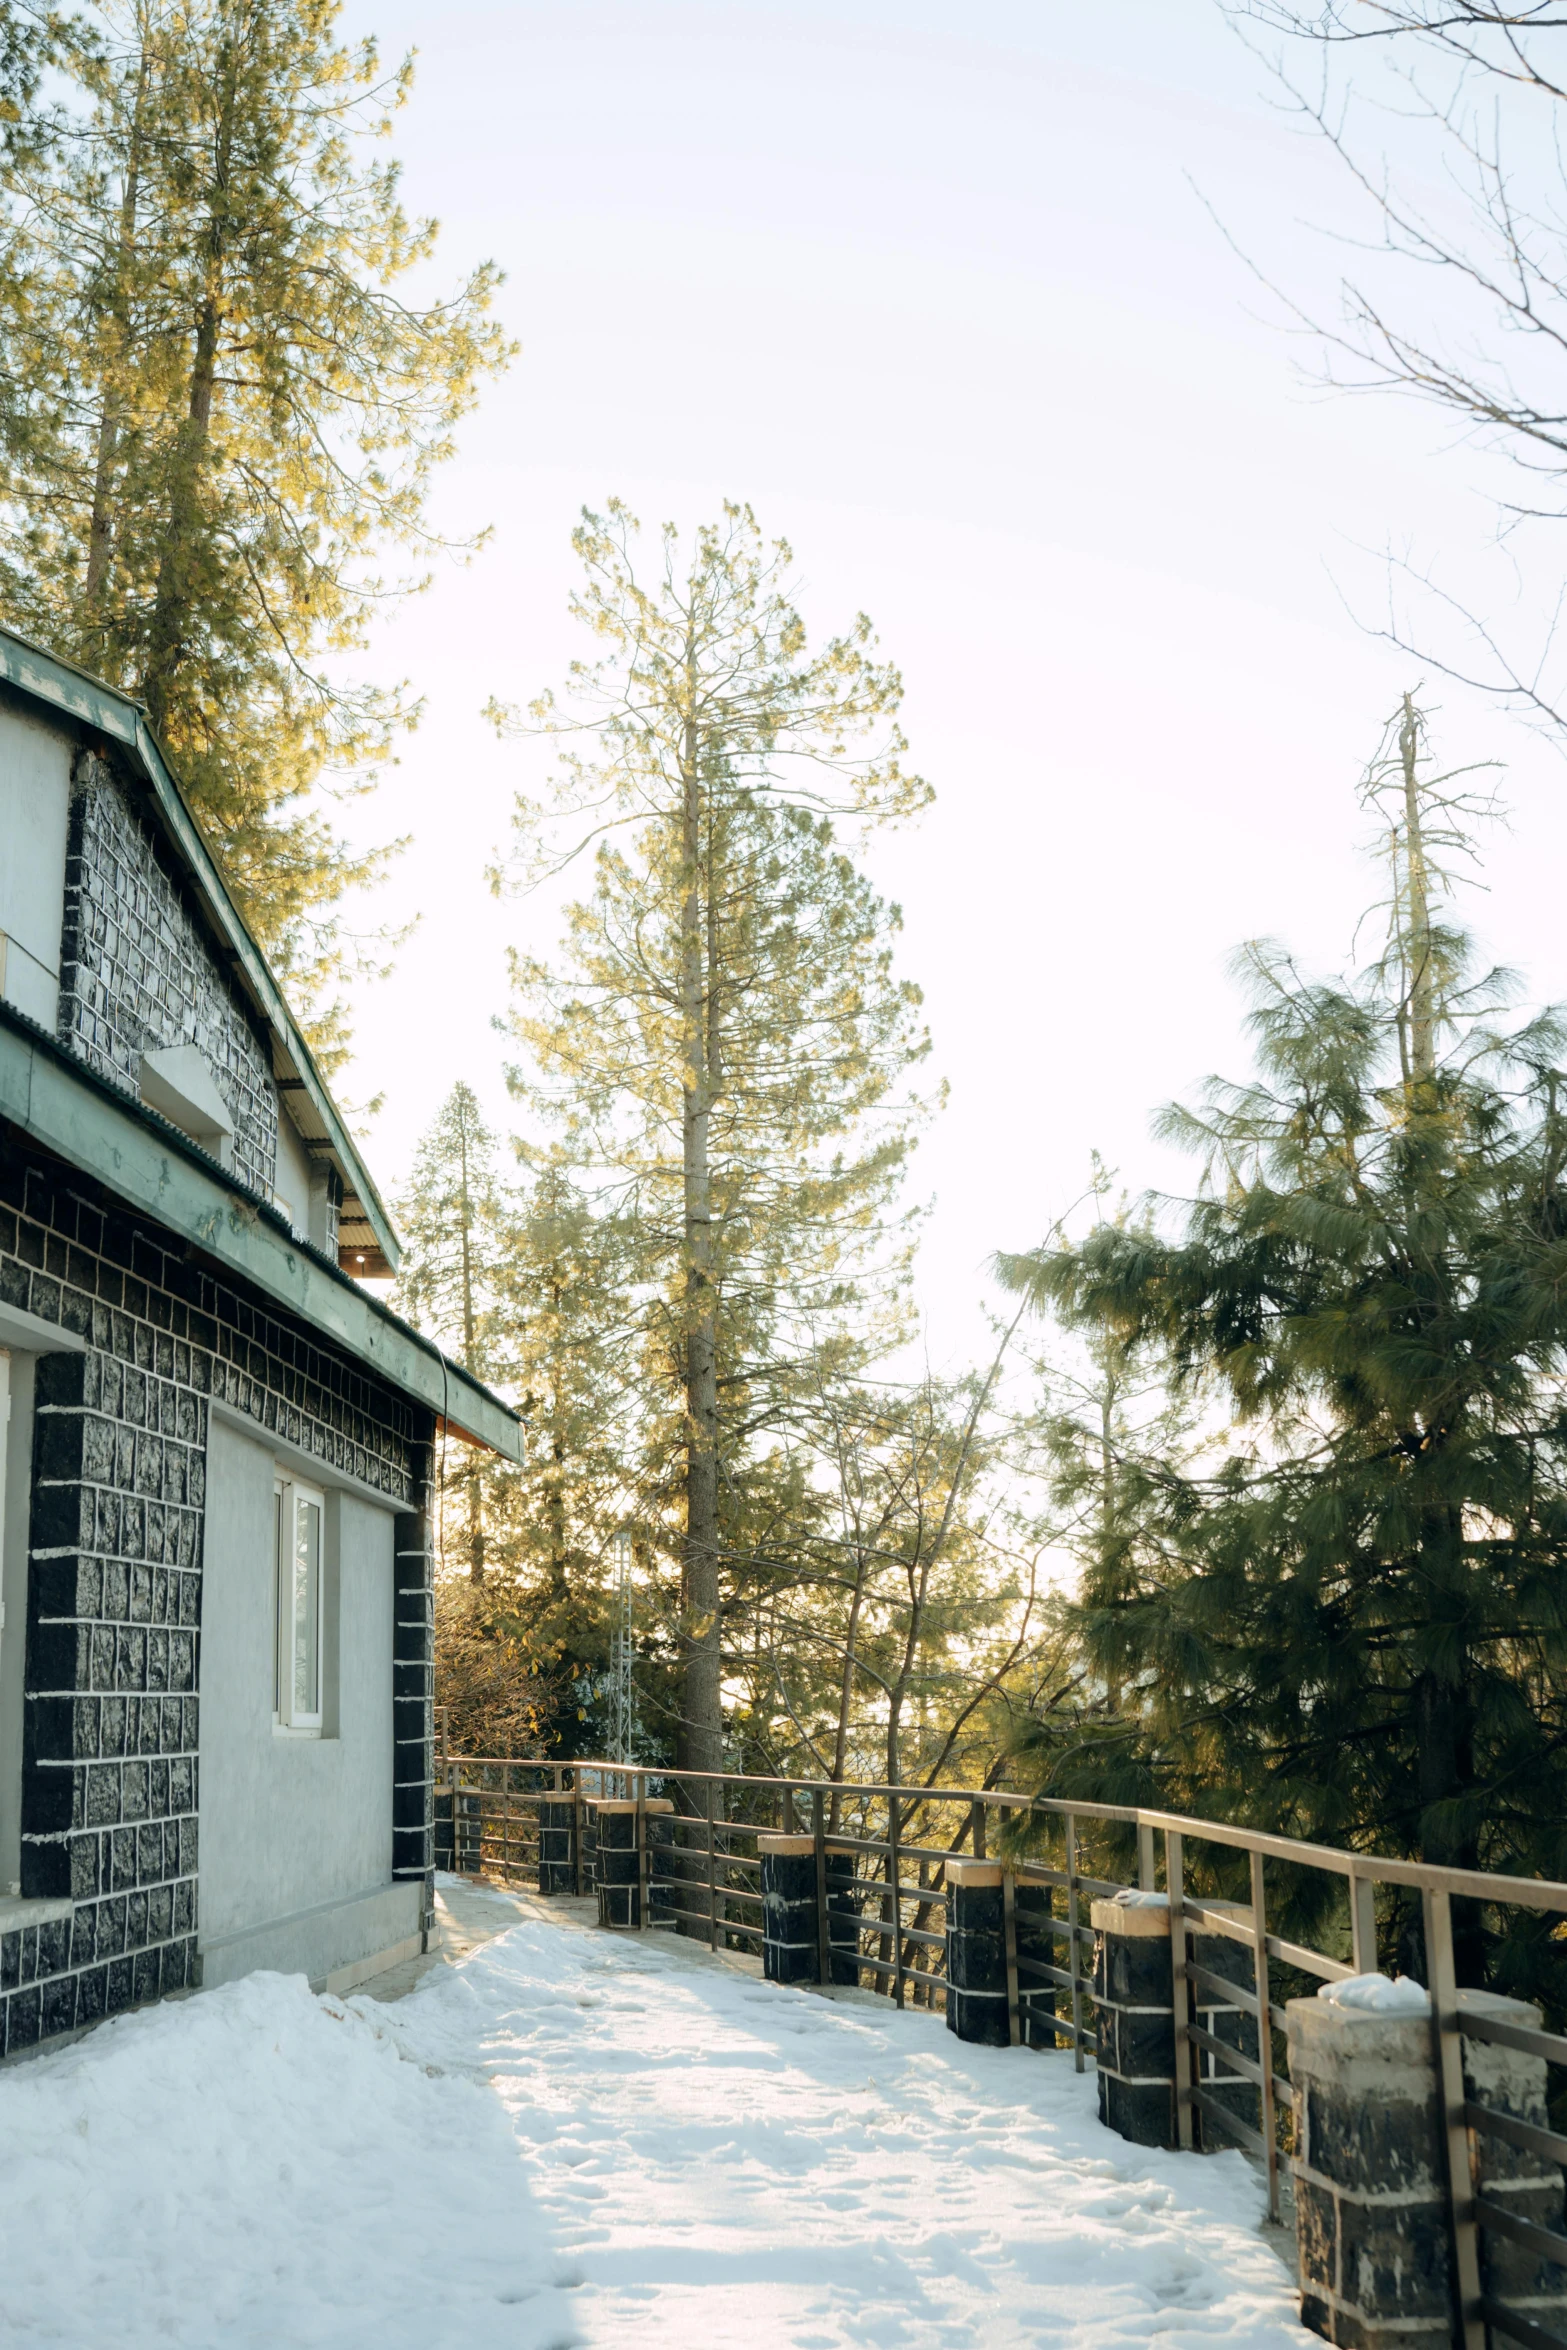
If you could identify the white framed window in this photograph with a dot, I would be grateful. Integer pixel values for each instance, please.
(299, 1585)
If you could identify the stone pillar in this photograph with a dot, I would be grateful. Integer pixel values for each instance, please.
(976, 1953)
(1524, 2184)
(457, 1832)
(1371, 2173)
(791, 1942)
(1370, 2177)
(413, 1712)
(620, 1862)
(618, 1866)
(557, 1844)
(1135, 2018)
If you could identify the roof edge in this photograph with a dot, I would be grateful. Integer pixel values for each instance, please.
(30, 669)
(163, 1175)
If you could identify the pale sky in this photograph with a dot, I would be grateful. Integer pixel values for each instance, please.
(943, 304)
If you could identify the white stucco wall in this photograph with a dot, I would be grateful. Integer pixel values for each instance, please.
(296, 1832)
(35, 783)
(292, 1181)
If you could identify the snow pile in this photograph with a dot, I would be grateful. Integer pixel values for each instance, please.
(259, 2166)
(573, 2139)
(1378, 1995)
(1127, 1898)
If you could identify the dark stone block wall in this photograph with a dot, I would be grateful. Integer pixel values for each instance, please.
(110, 1793)
(413, 1705)
(137, 974)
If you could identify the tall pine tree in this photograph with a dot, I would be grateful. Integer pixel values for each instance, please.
(725, 1038)
(221, 410)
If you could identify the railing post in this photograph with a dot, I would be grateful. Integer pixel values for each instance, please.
(1009, 1940)
(1443, 1989)
(1259, 1941)
(641, 1798)
(823, 1914)
(712, 1869)
(786, 1808)
(978, 1815)
(1074, 1965)
(1362, 1924)
(1147, 1875)
(577, 1855)
(1180, 2000)
(895, 1883)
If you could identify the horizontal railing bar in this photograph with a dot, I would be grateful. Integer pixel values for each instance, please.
(1518, 2328)
(1243, 2065)
(1251, 2139)
(1220, 1921)
(1550, 2143)
(725, 1892)
(1065, 2029)
(1310, 1962)
(1540, 2241)
(908, 1933)
(1235, 1995)
(695, 1917)
(1474, 1884)
(1551, 2045)
(1050, 1974)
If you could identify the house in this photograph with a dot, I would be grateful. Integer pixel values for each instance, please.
(215, 1644)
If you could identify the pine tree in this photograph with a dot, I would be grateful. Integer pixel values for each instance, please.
(455, 1224)
(726, 1039)
(569, 1334)
(1345, 1618)
(223, 411)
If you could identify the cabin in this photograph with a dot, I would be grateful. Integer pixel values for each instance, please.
(215, 1532)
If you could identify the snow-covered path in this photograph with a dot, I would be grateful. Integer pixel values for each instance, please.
(570, 2138)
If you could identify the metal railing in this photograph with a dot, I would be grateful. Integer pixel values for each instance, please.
(711, 1885)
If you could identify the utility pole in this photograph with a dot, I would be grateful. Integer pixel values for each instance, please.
(621, 1716)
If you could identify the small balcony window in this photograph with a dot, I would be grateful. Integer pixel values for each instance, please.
(299, 1585)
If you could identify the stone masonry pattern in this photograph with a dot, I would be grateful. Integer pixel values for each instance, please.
(110, 1791)
(136, 973)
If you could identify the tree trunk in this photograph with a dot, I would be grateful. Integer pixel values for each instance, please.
(701, 1739)
(475, 1487)
(100, 528)
(1422, 1025)
(178, 573)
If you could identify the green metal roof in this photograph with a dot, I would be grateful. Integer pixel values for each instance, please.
(137, 1155)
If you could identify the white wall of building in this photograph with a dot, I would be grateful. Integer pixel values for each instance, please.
(296, 1830)
(35, 784)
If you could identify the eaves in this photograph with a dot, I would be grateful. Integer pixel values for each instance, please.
(89, 1123)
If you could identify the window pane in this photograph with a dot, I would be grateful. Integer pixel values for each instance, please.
(307, 1607)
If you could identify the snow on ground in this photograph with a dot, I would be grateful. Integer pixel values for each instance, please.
(568, 2139)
